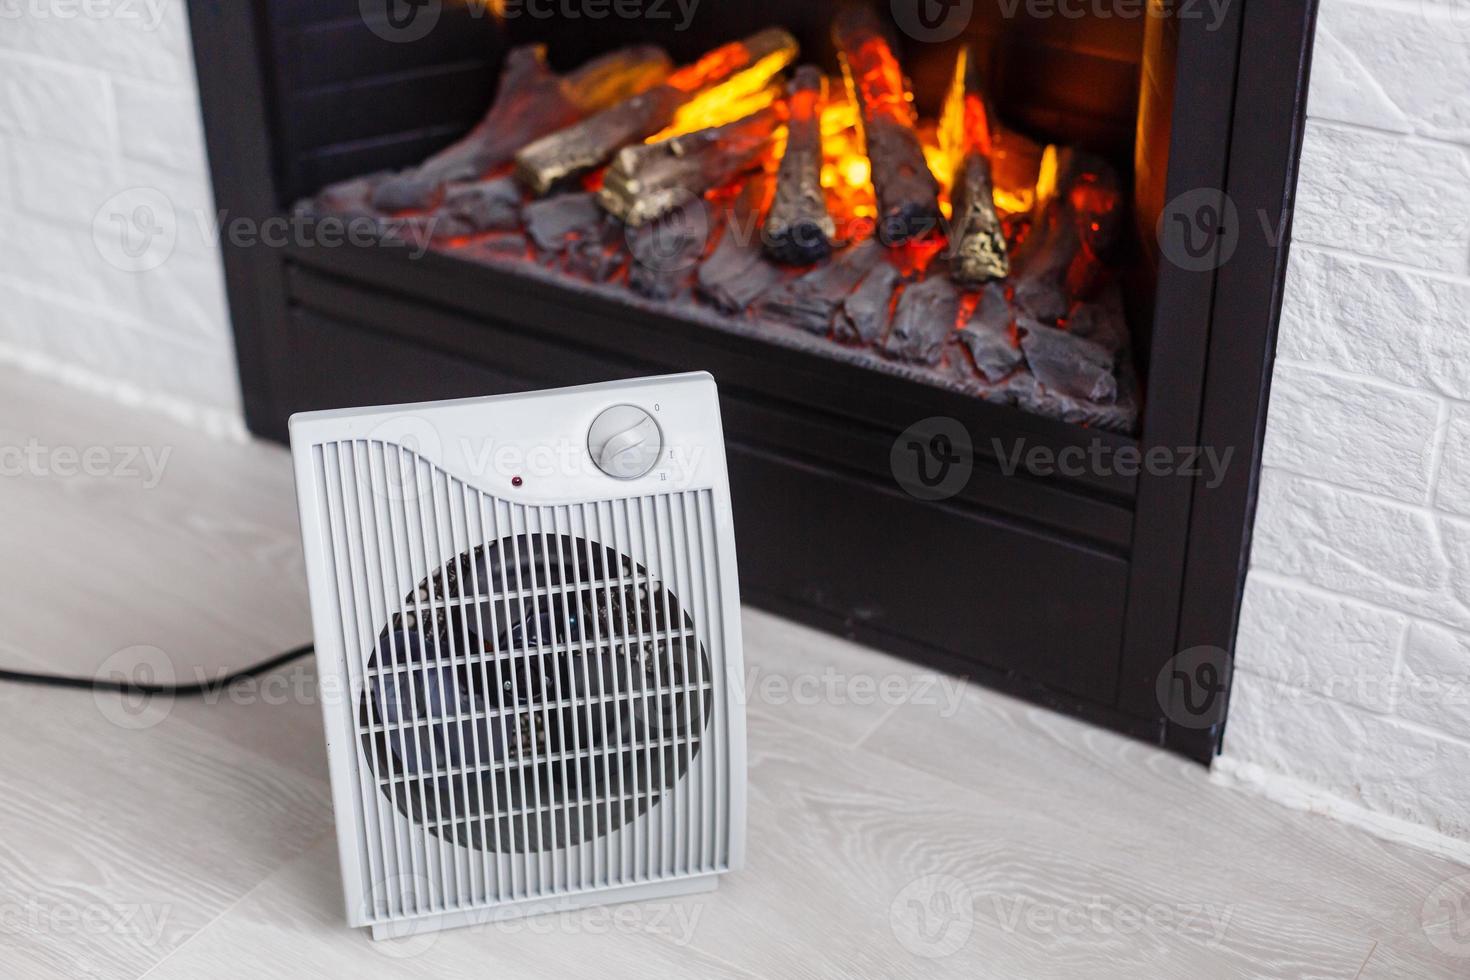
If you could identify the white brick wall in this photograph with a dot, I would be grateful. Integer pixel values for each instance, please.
(98, 98)
(1353, 658)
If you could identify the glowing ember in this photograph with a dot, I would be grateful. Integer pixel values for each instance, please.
(913, 257)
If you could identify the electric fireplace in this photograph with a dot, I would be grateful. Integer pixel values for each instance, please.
(981, 284)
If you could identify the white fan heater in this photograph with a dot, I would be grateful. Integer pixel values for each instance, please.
(527, 630)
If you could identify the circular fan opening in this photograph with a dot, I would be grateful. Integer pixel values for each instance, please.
(536, 692)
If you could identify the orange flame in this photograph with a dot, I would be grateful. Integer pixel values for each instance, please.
(846, 173)
(965, 126)
(722, 104)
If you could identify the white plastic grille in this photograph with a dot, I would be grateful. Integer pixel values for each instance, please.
(538, 691)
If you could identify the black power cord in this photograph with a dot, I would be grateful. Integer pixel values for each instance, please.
(135, 687)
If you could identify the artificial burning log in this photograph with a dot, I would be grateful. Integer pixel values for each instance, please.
(351, 195)
(923, 321)
(864, 313)
(598, 256)
(908, 194)
(977, 241)
(664, 250)
(1068, 364)
(1074, 220)
(737, 272)
(584, 146)
(530, 102)
(474, 209)
(811, 301)
(1051, 241)
(1101, 320)
(799, 229)
(978, 249)
(568, 154)
(554, 222)
(1097, 214)
(988, 336)
(651, 179)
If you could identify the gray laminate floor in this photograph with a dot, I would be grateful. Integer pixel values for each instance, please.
(928, 830)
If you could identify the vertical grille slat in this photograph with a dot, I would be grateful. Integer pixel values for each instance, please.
(719, 762)
(625, 760)
(417, 684)
(499, 688)
(388, 876)
(600, 798)
(549, 726)
(392, 596)
(716, 763)
(536, 690)
(465, 572)
(691, 677)
(513, 671)
(707, 771)
(642, 765)
(347, 623)
(525, 734)
(440, 737)
(580, 735)
(658, 556)
(441, 565)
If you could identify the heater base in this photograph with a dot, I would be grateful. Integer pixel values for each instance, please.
(420, 925)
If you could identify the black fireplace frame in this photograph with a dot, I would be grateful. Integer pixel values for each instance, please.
(1027, 583)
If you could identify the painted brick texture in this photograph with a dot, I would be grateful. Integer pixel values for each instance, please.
(96, 101)
(1353, 657)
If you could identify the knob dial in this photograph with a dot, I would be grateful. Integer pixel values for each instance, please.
(625, 442)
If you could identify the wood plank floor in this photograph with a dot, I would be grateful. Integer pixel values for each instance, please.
(903, 824)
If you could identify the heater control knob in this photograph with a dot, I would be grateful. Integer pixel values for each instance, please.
(625, 442)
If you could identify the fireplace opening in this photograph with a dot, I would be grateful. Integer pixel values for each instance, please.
(885, 236)
(960, 215)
